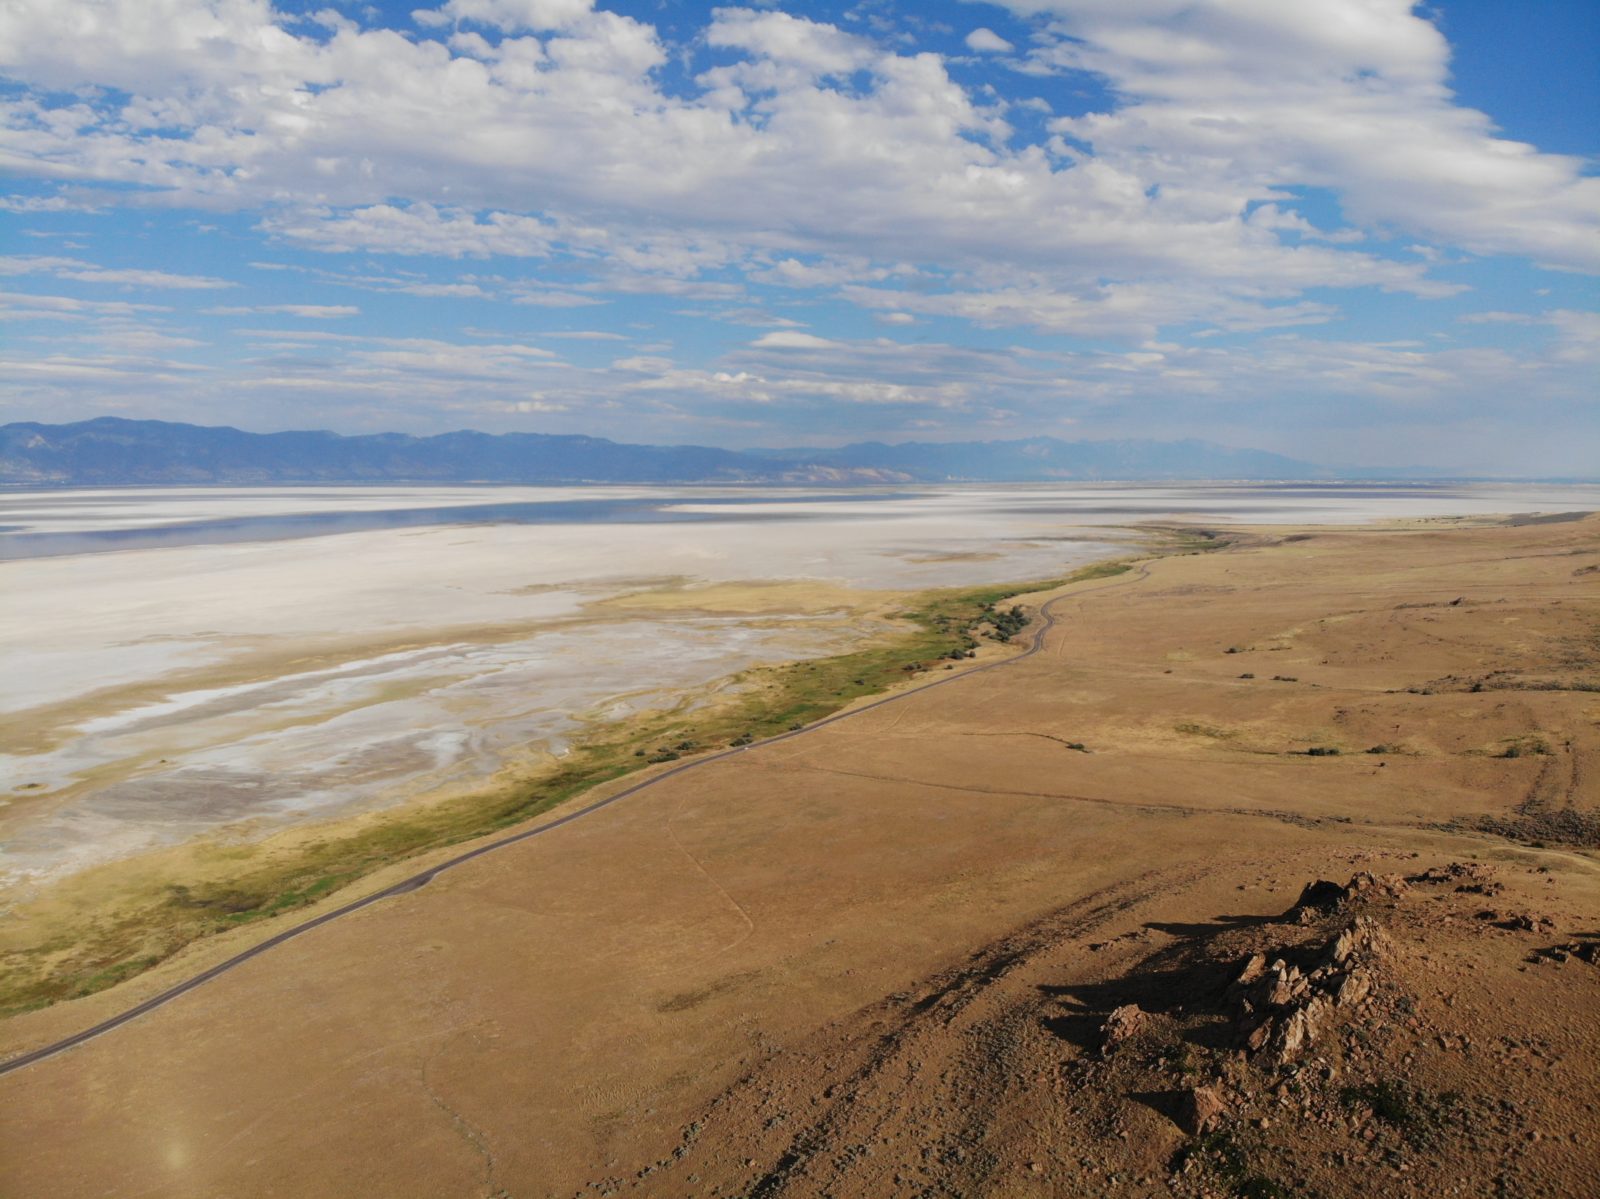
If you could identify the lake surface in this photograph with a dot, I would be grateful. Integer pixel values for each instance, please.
(57, 523)
(192, 661)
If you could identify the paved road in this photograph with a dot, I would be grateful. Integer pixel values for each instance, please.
(417, 881)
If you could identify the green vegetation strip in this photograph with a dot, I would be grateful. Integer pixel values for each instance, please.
(147, 928)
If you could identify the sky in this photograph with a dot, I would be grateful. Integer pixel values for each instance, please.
(1360, 232)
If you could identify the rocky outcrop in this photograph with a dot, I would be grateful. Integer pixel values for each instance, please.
(1280, 1009)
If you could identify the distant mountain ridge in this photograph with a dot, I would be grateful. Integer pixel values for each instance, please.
(110, 451)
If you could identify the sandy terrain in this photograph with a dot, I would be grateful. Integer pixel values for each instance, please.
(874, 959)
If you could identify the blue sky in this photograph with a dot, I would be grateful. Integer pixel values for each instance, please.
(1357, 231)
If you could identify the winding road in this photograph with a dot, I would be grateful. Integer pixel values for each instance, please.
(422, 879)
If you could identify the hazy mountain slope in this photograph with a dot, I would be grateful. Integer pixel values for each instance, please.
(111, 450)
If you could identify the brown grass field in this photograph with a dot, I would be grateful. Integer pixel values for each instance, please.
(874, 959)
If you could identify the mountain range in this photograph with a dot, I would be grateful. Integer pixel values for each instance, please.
(115, 451)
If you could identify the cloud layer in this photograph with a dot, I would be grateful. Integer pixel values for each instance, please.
(1255, 169)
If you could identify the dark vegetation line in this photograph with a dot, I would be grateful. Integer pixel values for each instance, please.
(983, 600)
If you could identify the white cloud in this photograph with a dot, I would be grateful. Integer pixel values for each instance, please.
(314, 312)
(88, 272)
(418, 229)
(552, 148)
(757, 318)
(778, 39)
(1350, 95)
(553, 299)
(45, 204)
(987, 41)
(1114, 311)
(1496, 318)
(27, 306)
(1577, 337)
(788, 339)
(410, 148)
(513, 16)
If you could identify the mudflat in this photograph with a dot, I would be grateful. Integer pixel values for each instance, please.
(883, 957)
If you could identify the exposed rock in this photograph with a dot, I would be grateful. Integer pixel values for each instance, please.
(1200, 1110)
(1286, 984)
(1366, 883)
(1122, 1025)
(1293, 1035)
(1582, 951)
(1318, 897)
(1362, 939)
(1455, 872)
(1282, 1010)
(1529, 923)
(1252, 970)
(1352, 988)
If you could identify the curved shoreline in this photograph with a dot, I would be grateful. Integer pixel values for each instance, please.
(422, 878)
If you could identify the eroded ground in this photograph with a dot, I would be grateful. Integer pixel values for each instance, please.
(875, 959)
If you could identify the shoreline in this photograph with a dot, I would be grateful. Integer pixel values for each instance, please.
(148, 918)
(877, 699)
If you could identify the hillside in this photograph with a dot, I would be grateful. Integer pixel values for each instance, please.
(111, 451)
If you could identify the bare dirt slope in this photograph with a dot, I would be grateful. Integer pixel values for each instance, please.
(877, 959)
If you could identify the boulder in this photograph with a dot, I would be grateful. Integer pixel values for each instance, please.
(1352, 988)
(1252, 970)
(1362, 938)
(1200, 1110)
(1318, 897)
(1122, 1025)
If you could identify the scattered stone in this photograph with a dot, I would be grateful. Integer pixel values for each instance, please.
(1121, 1026)
(1366, 883)
(1528, 923)
(1454, 872)
(1200, 1110)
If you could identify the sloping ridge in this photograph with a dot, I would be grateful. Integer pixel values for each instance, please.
(112, 451)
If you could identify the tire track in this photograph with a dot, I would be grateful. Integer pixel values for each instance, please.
(859, 1062)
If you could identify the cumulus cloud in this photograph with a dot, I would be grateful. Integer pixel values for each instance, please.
(1351, 95)
(513, 16)
(987, 41)
(787, 339)
(560, 137)
(549, 154)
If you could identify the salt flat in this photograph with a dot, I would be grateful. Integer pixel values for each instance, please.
(295, 670)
